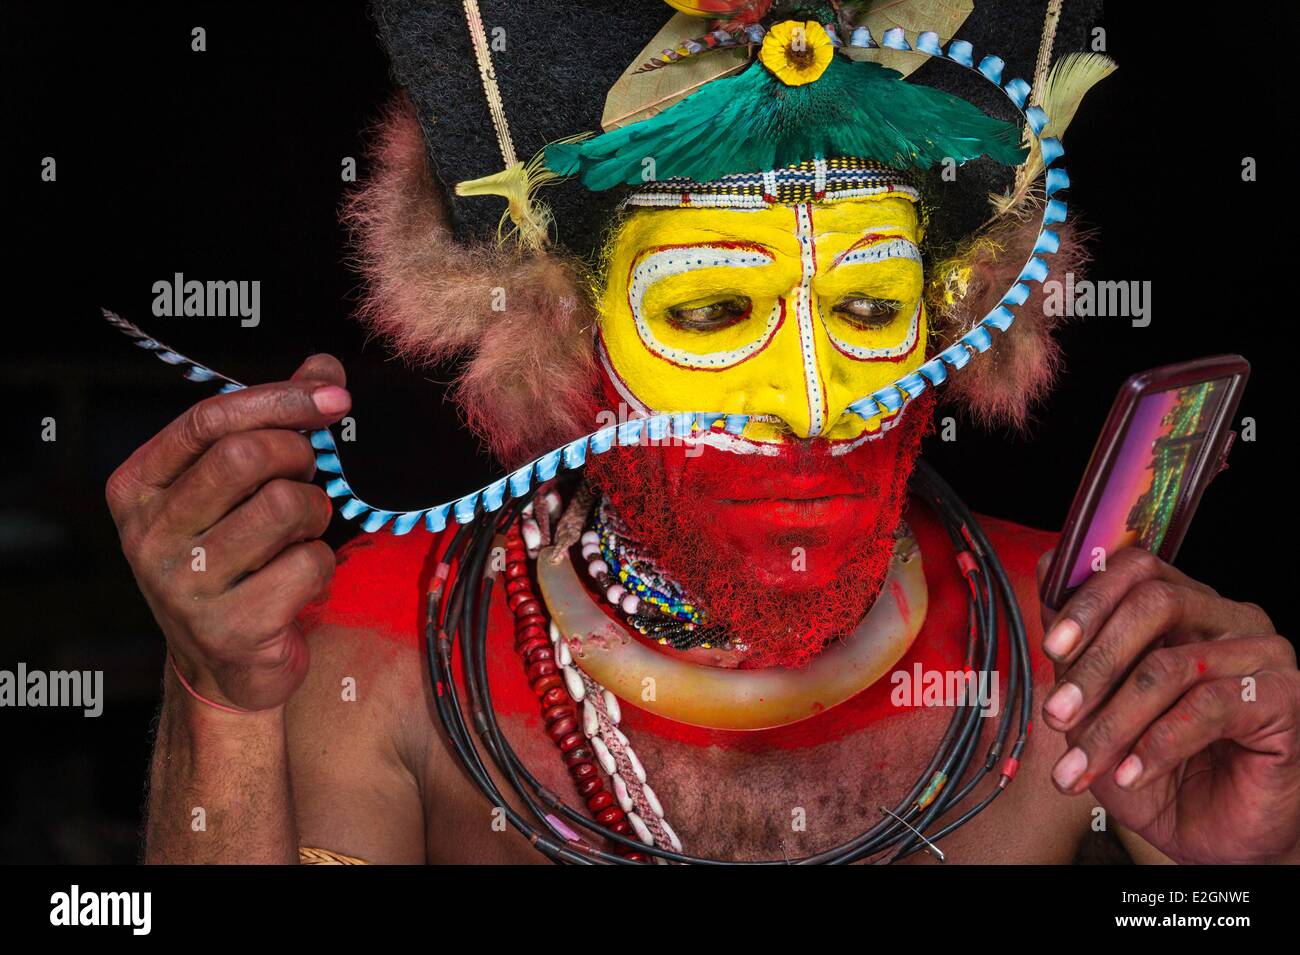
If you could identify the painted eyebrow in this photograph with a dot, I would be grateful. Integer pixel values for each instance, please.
(876, 247)
(667, 261)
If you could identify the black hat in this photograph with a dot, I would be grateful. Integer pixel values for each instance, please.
(555, 61)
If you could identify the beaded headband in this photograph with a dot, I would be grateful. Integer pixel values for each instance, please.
(821, 180)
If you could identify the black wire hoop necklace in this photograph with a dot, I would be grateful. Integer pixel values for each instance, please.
(457, 604)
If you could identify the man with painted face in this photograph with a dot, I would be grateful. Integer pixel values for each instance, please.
(704, 641)
(786, 314)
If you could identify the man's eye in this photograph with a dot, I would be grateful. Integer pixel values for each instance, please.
(711, 315)
(867, 312)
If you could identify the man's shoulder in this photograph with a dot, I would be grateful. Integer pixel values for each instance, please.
(1017, 545)
(379, 584)
(1018, 548)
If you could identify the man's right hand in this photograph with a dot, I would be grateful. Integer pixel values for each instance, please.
(232, 476)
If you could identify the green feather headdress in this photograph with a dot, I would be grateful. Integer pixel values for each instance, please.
(753, 121)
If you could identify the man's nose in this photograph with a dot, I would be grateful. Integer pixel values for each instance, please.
(794, 390)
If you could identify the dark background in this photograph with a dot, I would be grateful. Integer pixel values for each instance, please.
(226, 164)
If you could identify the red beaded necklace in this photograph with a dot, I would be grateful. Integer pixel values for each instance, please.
(559, 714)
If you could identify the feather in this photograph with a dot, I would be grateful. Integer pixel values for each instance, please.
(530, 219)
(717, 40)
(195, 372)
(753, 122)
(1067, 84)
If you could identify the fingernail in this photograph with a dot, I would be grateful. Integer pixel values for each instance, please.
(1128, 771)
(1060, 640)
(331, 399)
(1064, 702)
(1070, 768)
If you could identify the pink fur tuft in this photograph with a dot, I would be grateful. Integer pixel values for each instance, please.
(1000, 386)
(521, 325)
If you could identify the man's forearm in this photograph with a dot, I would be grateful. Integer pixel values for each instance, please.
(219, 785)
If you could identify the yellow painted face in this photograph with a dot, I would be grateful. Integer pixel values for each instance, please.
(787, 314)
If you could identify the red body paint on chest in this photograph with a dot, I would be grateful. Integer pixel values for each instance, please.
(381, 581)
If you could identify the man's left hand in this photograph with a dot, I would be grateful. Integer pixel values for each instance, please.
(1181, 710)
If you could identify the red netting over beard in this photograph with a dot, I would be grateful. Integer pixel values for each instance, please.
(786, 551)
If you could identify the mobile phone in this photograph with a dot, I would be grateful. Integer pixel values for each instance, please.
(1166, 437)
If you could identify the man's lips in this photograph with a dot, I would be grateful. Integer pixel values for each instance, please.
(795, 487)
(797, 512)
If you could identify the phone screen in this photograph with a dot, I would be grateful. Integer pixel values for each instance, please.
(1166, 439)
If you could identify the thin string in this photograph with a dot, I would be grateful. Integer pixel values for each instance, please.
(200, 697)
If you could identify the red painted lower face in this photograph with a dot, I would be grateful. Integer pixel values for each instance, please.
(789, 549)
(796, 517)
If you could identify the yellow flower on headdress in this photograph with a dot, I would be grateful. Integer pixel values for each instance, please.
(796, 52)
